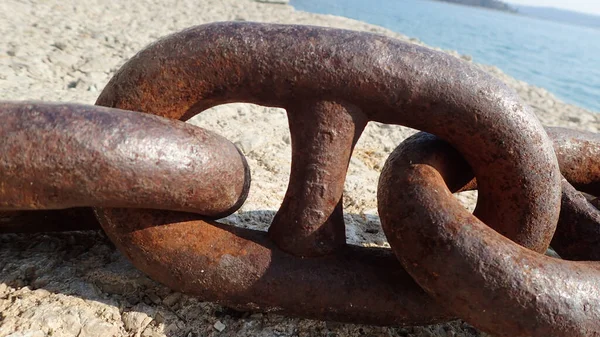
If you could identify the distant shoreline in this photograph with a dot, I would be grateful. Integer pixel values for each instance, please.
(489, 4)
(559, 15)
(543, 13)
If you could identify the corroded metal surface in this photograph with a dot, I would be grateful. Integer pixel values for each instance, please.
(491, 282)
(578, 155)
(65, 155)
(371, 77)
(578, 233)
(238, 267)
(244, 269)
(577, 236)
(331, 82)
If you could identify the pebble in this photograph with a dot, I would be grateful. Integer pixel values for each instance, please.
(219, 326)
(3, 289)
(60, 45)
(138, 318)
(171, 299)
(154, 298)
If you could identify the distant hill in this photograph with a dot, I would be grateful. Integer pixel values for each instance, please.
(560, 15)
(492, 4)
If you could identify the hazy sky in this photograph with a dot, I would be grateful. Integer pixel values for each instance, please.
(586, 6)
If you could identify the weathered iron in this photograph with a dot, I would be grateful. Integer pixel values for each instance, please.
(352, 78)
(493, 283)
(577, 236)
(578, 233)
(62, 156)
(319, 282)
(332, 83)
(578, 154)
(244, 269)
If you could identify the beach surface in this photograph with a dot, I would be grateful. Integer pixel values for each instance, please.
(78, 284)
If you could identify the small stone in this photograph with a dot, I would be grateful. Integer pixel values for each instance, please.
(171, 299)
(257, 315)
(73, 84)
(154, 298)
(60, 45)
(3, 289)
(134, 321)
(159, 318)
(372, 230)
(219, 326)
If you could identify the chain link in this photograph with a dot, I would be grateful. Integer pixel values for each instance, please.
(156, 184)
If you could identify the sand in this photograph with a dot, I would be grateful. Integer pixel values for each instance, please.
(78, 284)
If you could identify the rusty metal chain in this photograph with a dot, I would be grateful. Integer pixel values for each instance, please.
(157, 184)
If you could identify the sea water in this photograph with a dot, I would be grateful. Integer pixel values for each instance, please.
(562, 58)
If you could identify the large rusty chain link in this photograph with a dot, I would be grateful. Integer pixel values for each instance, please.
(157, 184)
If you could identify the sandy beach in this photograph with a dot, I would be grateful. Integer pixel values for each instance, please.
(78, 284)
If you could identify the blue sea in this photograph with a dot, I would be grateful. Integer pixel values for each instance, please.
(562, 58)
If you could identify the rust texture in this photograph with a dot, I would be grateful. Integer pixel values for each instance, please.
(578, 154)
(497, 285)
(578, 233)
(156, 184)
(577, 236)
(58, 156)
(368, 77)
(323, 135)
(241, 268)
(244, 269)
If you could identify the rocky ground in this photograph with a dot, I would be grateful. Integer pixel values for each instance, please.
(77, 284)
